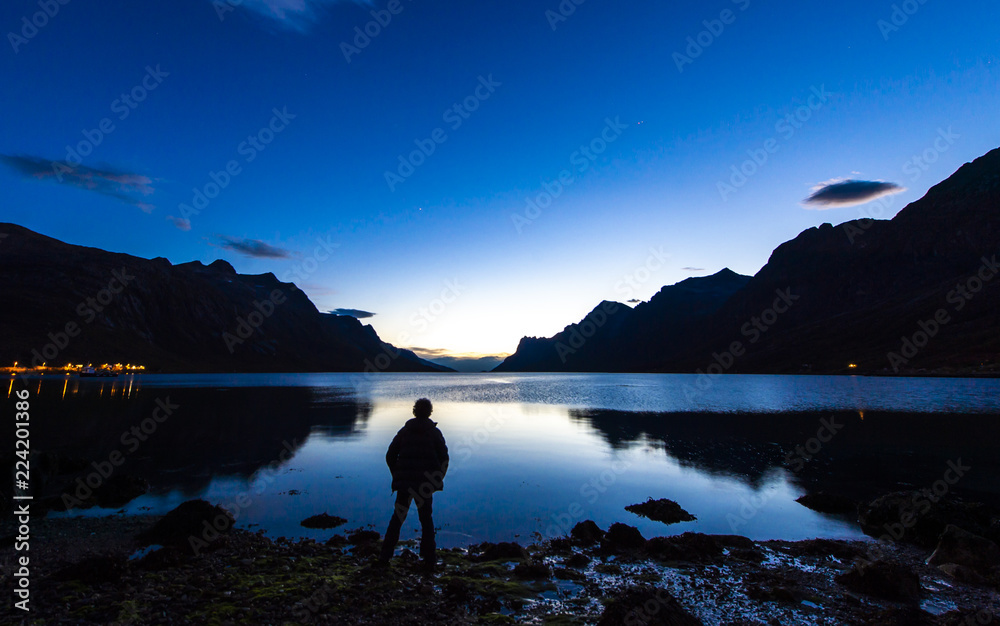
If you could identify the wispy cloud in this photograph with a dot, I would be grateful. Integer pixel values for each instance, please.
(182, 223)
(107, 182)
(358, 313)
(841, 193)
(693, 269)
(296, 15)
(252, 248)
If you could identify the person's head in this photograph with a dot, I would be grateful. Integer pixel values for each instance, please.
(422, 408)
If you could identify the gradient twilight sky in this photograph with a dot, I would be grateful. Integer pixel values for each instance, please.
(891, 92)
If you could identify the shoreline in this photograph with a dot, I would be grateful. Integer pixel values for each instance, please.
(82, 573)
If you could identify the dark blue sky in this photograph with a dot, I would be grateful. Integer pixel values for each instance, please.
(450, 256)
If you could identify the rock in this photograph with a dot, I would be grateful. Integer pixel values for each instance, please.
(882, 579)
(690, 547)
(624, 537)
(577, 561)
(750, 556)
(503, 551)
(734, 541)
(94, 569)
(190, 525)
(323, 520)
(826, 548)
(587, 533)
(824, 502)
(645, 606)
(363, 537)
(561, 545)
(533, 570)
(662, 510)
(917, 517)
(964, 548)
(963, 574)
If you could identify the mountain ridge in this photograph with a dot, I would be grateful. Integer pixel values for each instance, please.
(69, 303)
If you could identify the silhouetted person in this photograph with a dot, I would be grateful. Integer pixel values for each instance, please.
(418, 460)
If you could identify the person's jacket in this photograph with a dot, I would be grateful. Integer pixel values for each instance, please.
(418, 457)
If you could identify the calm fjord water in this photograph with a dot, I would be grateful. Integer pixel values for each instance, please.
(532, 454)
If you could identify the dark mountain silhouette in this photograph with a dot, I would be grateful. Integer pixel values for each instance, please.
(65, 303)
(616, 337)
(919, 292)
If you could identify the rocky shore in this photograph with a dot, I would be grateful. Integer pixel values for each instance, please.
(192, 566)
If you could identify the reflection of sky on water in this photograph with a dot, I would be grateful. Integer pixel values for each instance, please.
(530, 453)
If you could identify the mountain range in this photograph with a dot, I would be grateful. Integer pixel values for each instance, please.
(919, 293)
(72, 304)
(915, 294)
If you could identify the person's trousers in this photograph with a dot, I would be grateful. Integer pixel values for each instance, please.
(424, 510)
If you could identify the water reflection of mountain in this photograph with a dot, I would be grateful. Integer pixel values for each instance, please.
(208, 432)
(870, 453)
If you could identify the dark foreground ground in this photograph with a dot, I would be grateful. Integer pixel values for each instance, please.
(91, 570)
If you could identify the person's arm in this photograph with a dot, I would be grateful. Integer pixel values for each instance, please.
(392, 454)
(442, 452)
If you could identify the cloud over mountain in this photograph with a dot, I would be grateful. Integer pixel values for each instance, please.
(842, 193)
(108, 182)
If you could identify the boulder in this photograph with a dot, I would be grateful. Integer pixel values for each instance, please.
(964, 548)
(623, 537)
(662, 510)
(918, 517)
(824, 502)
(192, 526)
(690, 547)
(884, 580)
(963, 574)
(503, 551)
(323, 520)
(645, 606)
(587, 533)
